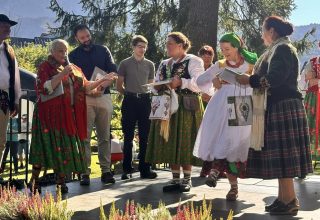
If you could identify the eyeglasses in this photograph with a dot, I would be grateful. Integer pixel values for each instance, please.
(141, 46)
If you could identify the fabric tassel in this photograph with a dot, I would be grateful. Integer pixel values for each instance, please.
(164, 129)
(257, 129)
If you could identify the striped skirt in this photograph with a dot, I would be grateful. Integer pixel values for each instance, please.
(286, 152)
(184, 125)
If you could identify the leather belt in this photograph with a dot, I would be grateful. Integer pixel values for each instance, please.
(137, 95)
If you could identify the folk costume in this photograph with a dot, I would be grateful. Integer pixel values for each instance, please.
(59, 125)
(312, 104)
(185, 122)
(216, 141)
(281, 149)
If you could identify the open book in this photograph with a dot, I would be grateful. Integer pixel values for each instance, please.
(56, 92)
(229, 76)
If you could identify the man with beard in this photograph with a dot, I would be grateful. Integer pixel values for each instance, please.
(10, 88)
(99, 104)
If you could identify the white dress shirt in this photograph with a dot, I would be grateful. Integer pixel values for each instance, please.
(5, 75)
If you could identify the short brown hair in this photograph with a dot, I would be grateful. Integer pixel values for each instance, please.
(282, 27)
(180, 38)
(137, 39)
(206, 49)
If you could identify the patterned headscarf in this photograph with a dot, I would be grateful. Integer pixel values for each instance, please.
(236, 41)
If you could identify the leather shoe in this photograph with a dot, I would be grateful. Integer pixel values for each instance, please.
(63, 188)
(275, 203)
(85, 180)
(107, 178)
(291, 208)
(148, 175)
(212, 178)
(185, 185)
(173, 185)
(126, 176)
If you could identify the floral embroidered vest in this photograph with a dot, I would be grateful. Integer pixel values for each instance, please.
(178, 69)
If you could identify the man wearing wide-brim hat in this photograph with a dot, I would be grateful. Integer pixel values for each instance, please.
(10, 88)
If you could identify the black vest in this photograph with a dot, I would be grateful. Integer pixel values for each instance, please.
(178, 69)
(12, 68)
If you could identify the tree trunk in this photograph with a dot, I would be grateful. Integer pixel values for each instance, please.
(202, 23)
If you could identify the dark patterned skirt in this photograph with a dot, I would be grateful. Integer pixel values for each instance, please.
(286, 152)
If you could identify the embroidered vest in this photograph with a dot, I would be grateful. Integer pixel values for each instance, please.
(12, 68)
(178, 69)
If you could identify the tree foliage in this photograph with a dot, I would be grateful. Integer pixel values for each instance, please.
(246, 17)
(31, 56)
(114, 22)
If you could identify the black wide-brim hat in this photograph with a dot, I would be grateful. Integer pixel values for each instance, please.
(4, 18)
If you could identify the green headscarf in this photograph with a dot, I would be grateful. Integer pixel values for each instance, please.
(236, 41)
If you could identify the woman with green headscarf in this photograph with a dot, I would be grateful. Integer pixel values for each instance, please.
(216, 141)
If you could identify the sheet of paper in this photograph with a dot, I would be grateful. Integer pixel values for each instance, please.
(229, 76)
(163, 82)
(97, 72)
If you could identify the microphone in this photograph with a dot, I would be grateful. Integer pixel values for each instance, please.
(66, 58)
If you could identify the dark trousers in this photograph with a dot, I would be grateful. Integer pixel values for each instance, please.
(135, 110)
(14, 153)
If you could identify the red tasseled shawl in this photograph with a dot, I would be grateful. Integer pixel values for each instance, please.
(58, 113)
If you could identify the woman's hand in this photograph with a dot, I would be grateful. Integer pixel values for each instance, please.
(205, 97)
(243, 79)
(176, 82)
(67, 70)
(110, 77)
(216, 83)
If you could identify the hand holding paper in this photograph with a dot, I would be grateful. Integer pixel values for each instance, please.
(176, 82)
(229, 76)
(107, 79)
(243, 79)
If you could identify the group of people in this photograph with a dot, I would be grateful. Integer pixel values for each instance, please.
(71, 100)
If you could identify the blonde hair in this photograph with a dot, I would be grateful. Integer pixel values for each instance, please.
(56, 43)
